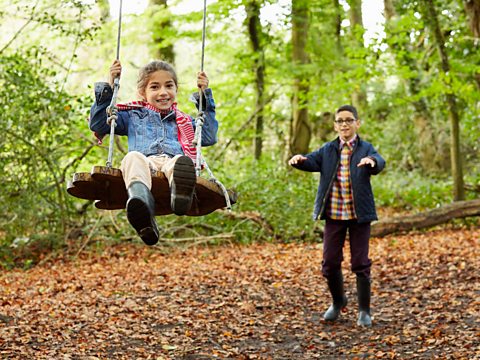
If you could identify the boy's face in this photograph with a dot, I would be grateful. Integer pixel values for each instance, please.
(346, 125)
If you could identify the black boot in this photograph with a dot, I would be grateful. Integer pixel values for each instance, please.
(335, 285)
(363, 294)
(182, 185)
(141, 212)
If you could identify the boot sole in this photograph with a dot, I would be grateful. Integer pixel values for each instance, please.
(183, 185)
(139, 217)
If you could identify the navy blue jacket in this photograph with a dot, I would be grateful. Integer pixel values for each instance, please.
(326, 161)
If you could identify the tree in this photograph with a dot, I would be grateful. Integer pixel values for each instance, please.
(431, 16)
(300, 133)
(357, 31)
(161, 28)
(338, 24)
(398, 39)
(256, 40)
(43, 125)
(472, 8)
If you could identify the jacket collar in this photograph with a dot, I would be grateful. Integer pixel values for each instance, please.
(338, 143)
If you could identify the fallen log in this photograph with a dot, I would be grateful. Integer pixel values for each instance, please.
(441, 215)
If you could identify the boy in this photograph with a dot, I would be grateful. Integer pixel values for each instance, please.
(345, 200)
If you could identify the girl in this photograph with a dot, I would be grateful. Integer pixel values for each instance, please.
(159, 137)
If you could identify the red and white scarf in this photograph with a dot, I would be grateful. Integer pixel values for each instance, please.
(186, 133)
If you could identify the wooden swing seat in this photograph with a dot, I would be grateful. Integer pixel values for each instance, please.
(106, 187)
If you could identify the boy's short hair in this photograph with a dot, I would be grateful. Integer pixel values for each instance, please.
(350, 108)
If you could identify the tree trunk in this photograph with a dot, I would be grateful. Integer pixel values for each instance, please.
(359, 97)
(456, 210)
(338, 24)
(256, 36)
(162, 51)
(431, 17)
(472, 8)
(429, 156)
(300, 132)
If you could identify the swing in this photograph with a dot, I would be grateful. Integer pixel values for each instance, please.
(105, 185)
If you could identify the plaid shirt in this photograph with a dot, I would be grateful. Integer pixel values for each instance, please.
(341, 198)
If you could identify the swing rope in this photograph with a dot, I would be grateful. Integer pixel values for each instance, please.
(112, 108)
(112, 112)
(197, 141)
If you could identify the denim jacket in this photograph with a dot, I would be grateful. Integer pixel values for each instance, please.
(147, 131)
(326, 161)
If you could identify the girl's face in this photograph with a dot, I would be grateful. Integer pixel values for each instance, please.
(161, 90)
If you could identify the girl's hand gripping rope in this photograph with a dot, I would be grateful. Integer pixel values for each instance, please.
(202, 80)
(115, 71)
(112, 112)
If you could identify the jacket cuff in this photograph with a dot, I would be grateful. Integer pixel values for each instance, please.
(373, 158)
(103, 92)
(207, 98)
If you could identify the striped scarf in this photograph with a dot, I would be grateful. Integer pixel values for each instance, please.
(186, 133)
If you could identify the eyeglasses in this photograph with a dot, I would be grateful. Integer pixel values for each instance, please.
(348, 121)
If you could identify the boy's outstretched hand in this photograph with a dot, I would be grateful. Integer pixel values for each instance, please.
(297, 159)
(366, 161)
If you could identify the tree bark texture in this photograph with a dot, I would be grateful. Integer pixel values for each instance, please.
(456, 210)
(301, 131)
(431, 16)
(256, 36)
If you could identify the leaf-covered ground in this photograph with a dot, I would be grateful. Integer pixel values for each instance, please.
(245, 302)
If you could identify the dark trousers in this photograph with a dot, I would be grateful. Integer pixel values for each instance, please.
(334, 236)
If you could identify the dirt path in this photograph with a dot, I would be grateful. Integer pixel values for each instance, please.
(252, 302)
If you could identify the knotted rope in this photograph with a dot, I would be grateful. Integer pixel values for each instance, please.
(197, 141)
(112, 109)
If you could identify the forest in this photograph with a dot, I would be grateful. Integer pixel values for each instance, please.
(278, 70)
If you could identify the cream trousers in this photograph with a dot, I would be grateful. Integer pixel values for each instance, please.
(137, 167)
